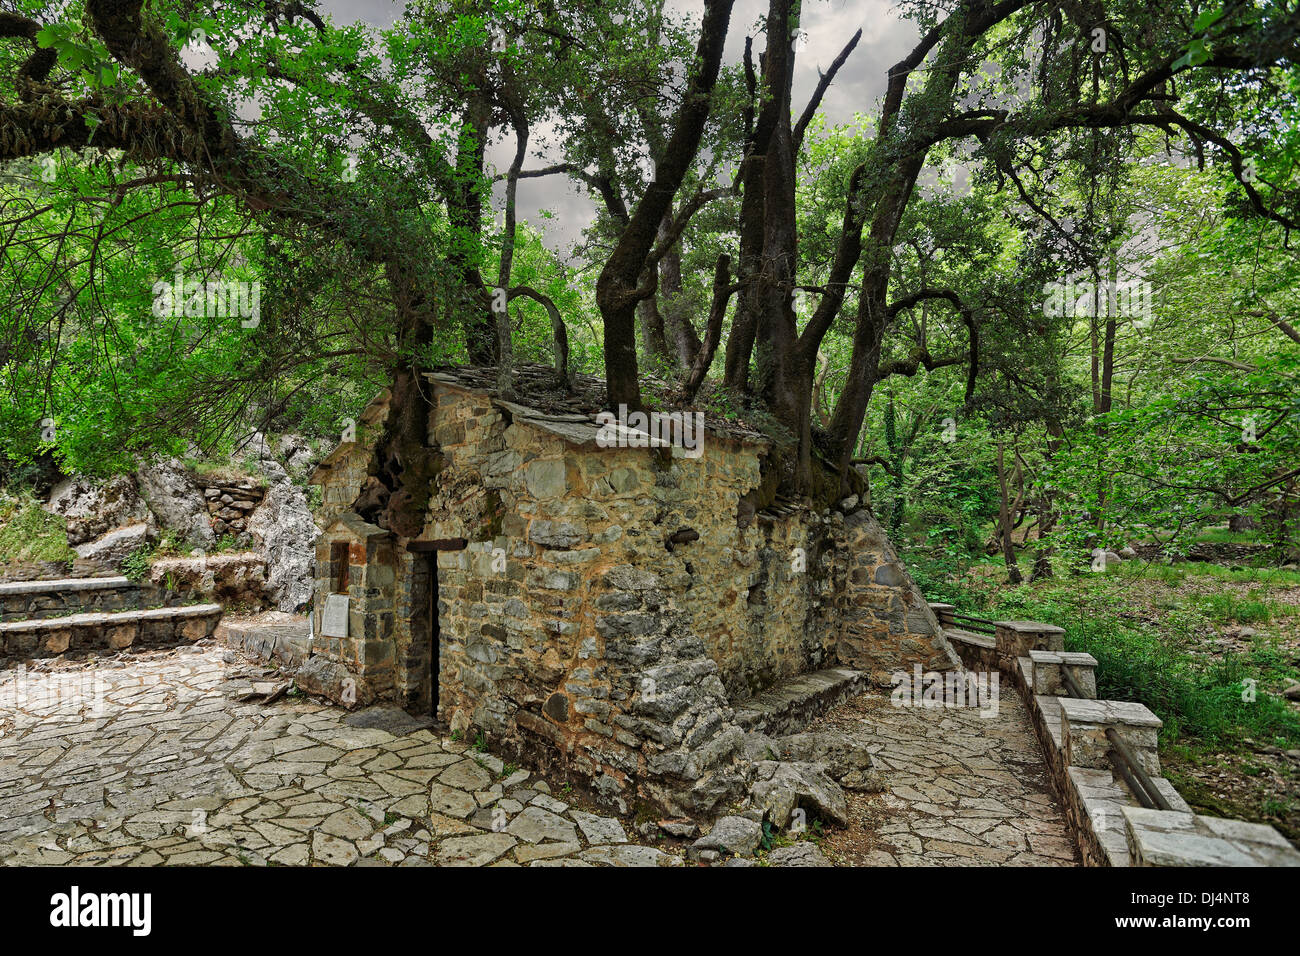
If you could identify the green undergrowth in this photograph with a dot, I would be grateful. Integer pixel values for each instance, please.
(28, 533)
(1146, 625)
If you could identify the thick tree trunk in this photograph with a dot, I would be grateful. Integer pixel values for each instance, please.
(740, 343)
(783, 370)
(617, 289)
(683, 340)
(652, 333)
(466, 215)
(396, 493)
(864, 365)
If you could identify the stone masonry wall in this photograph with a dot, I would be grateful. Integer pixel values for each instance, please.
(885, 623)
(609, 607)
(230, 503)
(369, 649)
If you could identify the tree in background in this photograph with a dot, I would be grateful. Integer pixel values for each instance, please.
(339, 145)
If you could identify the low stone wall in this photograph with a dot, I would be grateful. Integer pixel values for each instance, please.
(49, 570)
(285, 641)
(1091, 797)
(81, 634)
(20, 600)
(978, 652)
(231, 502)
(1214, 552)
(792, 706)
(1108, 822)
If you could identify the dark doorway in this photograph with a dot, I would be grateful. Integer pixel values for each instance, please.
(424, 628)
(425, 644)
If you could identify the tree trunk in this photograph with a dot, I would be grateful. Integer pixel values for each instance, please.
(617, 289)
(652, 333)
(1004, 524)
(466, 216)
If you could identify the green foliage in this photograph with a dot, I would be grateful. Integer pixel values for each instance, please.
(29, 533)
(136, 565)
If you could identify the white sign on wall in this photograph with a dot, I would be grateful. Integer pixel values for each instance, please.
(334, 620)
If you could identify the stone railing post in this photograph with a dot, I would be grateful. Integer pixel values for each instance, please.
(944, 612)
(1015, 639)
(1047, 667)
(1083, 731)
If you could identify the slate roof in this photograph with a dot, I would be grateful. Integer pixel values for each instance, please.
(541, 401)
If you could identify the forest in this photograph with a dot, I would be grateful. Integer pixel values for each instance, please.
(1036, 301)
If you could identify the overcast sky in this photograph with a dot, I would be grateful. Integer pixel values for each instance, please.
(829, 24)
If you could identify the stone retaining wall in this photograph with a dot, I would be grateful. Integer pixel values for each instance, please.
(81, 634)
(55, 598)
(231, 502)
(1215, 552)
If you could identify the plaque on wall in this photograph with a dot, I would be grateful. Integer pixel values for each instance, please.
(334, 619)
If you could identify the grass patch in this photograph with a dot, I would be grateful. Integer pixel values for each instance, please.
(29, 533)
(1213, 700)
(1226, 606)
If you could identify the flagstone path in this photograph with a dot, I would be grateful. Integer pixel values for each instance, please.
(961, 789)
(149, 760)
(153, 759)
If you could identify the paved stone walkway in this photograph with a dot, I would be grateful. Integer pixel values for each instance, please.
(150, 759)
(960, 789)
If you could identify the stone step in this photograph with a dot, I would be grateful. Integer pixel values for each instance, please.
(789, 707)
(284, 640)
(106, 631)
(1174, 838)
(21, 600)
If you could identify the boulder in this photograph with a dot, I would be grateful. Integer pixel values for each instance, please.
(92, 507)
(286, 535)
(176, 500)
(1127, 553)
(865, 781)
(112, 549)
(757, 746)
(730, 835)
(782, 786)
(682, 829)
(322, 677)
(296, 453)
(253, 445)
(840, 751)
